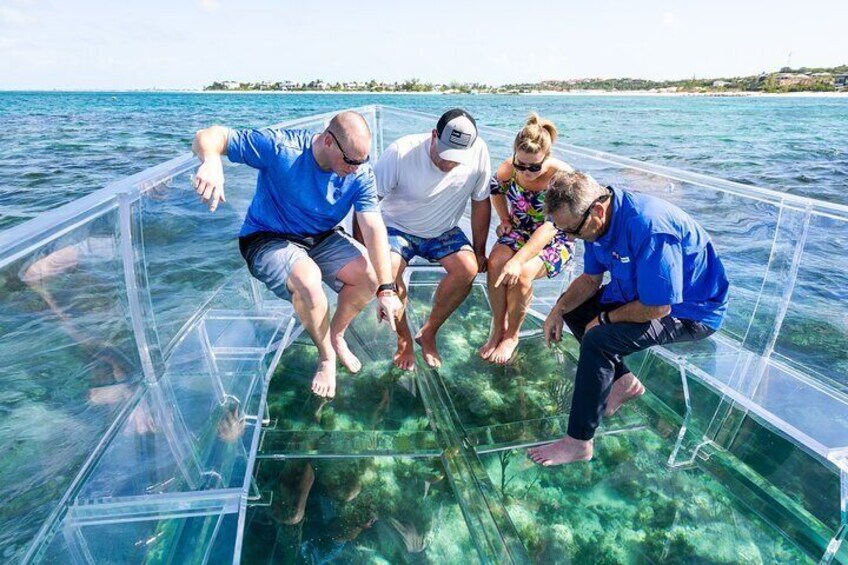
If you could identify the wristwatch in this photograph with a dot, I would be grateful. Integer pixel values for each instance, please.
(387, 286)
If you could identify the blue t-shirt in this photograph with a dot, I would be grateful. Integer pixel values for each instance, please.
(293, 195)
(657, 254)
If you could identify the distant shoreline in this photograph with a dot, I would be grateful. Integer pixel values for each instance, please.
(551, 93)
(543, 93)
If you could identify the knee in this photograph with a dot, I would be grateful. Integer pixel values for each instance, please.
(498, 259)
(594, 339)
(305, 281)
(364, 275)
(465, 269)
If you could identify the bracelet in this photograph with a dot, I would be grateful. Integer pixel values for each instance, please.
(387, 286)
(603, 318)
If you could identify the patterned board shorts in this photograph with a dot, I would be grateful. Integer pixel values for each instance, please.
(432, 249)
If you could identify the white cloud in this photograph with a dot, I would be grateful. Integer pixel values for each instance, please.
(209, 5)
(671, 21)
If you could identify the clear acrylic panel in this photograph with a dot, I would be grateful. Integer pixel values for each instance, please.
(814, 334)
(70, 366)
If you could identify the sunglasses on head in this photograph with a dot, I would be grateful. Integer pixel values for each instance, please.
(347, 159)
(576, 231)
(533, 167)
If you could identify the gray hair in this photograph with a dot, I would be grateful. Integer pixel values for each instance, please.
(572, 191)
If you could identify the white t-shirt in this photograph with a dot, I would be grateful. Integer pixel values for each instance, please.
(418, 198)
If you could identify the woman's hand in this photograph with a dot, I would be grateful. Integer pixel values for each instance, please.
(510, 273)
(503, 228)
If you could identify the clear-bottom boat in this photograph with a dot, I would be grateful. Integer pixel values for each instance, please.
(155, 403)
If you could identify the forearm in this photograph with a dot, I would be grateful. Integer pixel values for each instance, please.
(376, 241)
(501, 207)
(637, 312)
(481, 217)
(579, 291)
(211, 141)
(543, 235)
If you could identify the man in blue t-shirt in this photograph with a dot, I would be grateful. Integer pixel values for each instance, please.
(290, 238)
(667, 284)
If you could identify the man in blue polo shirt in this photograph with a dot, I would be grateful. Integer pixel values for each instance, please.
(290, 239)
(667, 284)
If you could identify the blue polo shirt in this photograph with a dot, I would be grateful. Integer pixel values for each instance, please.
(293, 195)
(657, 254)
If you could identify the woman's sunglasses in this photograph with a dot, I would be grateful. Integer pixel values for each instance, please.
(533, 167)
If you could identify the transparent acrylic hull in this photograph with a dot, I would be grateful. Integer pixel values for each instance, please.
(155, 404)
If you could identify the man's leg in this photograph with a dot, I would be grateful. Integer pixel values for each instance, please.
(626, 386)
(497, 298)
(310, 303)
(599, 350)
(518, 299)
(404, 357)
(360, 284)
(288, 272)
(461, 268)
(345, 267)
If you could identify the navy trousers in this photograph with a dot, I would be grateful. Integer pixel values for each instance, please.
(601, 352)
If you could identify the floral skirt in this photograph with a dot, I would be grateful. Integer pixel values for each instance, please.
(555, 255)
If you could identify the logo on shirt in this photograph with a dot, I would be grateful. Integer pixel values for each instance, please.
(335, 190)
(618, 257)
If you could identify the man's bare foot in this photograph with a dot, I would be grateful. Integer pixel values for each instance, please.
(404, 357)
(428, 349)
(503, 352)
(489, 347)
(345, 355)
(305, 486)
(566, 450)
(324, 381)
(623, 390)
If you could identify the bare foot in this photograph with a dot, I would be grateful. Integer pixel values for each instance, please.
(428, 349)
(345, 355)
(503, 352)
(305, 486)
(404, 357)
(324, 381)
(623, 390)
(489, 347)
(566, 450)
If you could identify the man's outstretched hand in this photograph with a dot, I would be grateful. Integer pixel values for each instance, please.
(209, 181)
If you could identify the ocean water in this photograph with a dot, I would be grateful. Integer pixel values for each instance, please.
(59, 146)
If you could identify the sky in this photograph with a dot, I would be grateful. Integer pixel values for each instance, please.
(186, 44)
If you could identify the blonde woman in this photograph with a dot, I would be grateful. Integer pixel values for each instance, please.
(528, 247)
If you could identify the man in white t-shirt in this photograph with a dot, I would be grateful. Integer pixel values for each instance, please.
(424, 182)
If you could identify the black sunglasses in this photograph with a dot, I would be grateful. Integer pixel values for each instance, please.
(533, 168)
(347, 159)
(576, 231)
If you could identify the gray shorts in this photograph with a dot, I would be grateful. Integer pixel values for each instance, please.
(270, 257)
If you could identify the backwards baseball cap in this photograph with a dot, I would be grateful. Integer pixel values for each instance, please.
(457, 132)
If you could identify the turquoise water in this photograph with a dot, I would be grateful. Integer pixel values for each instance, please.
(59, 146)
(355, 481)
